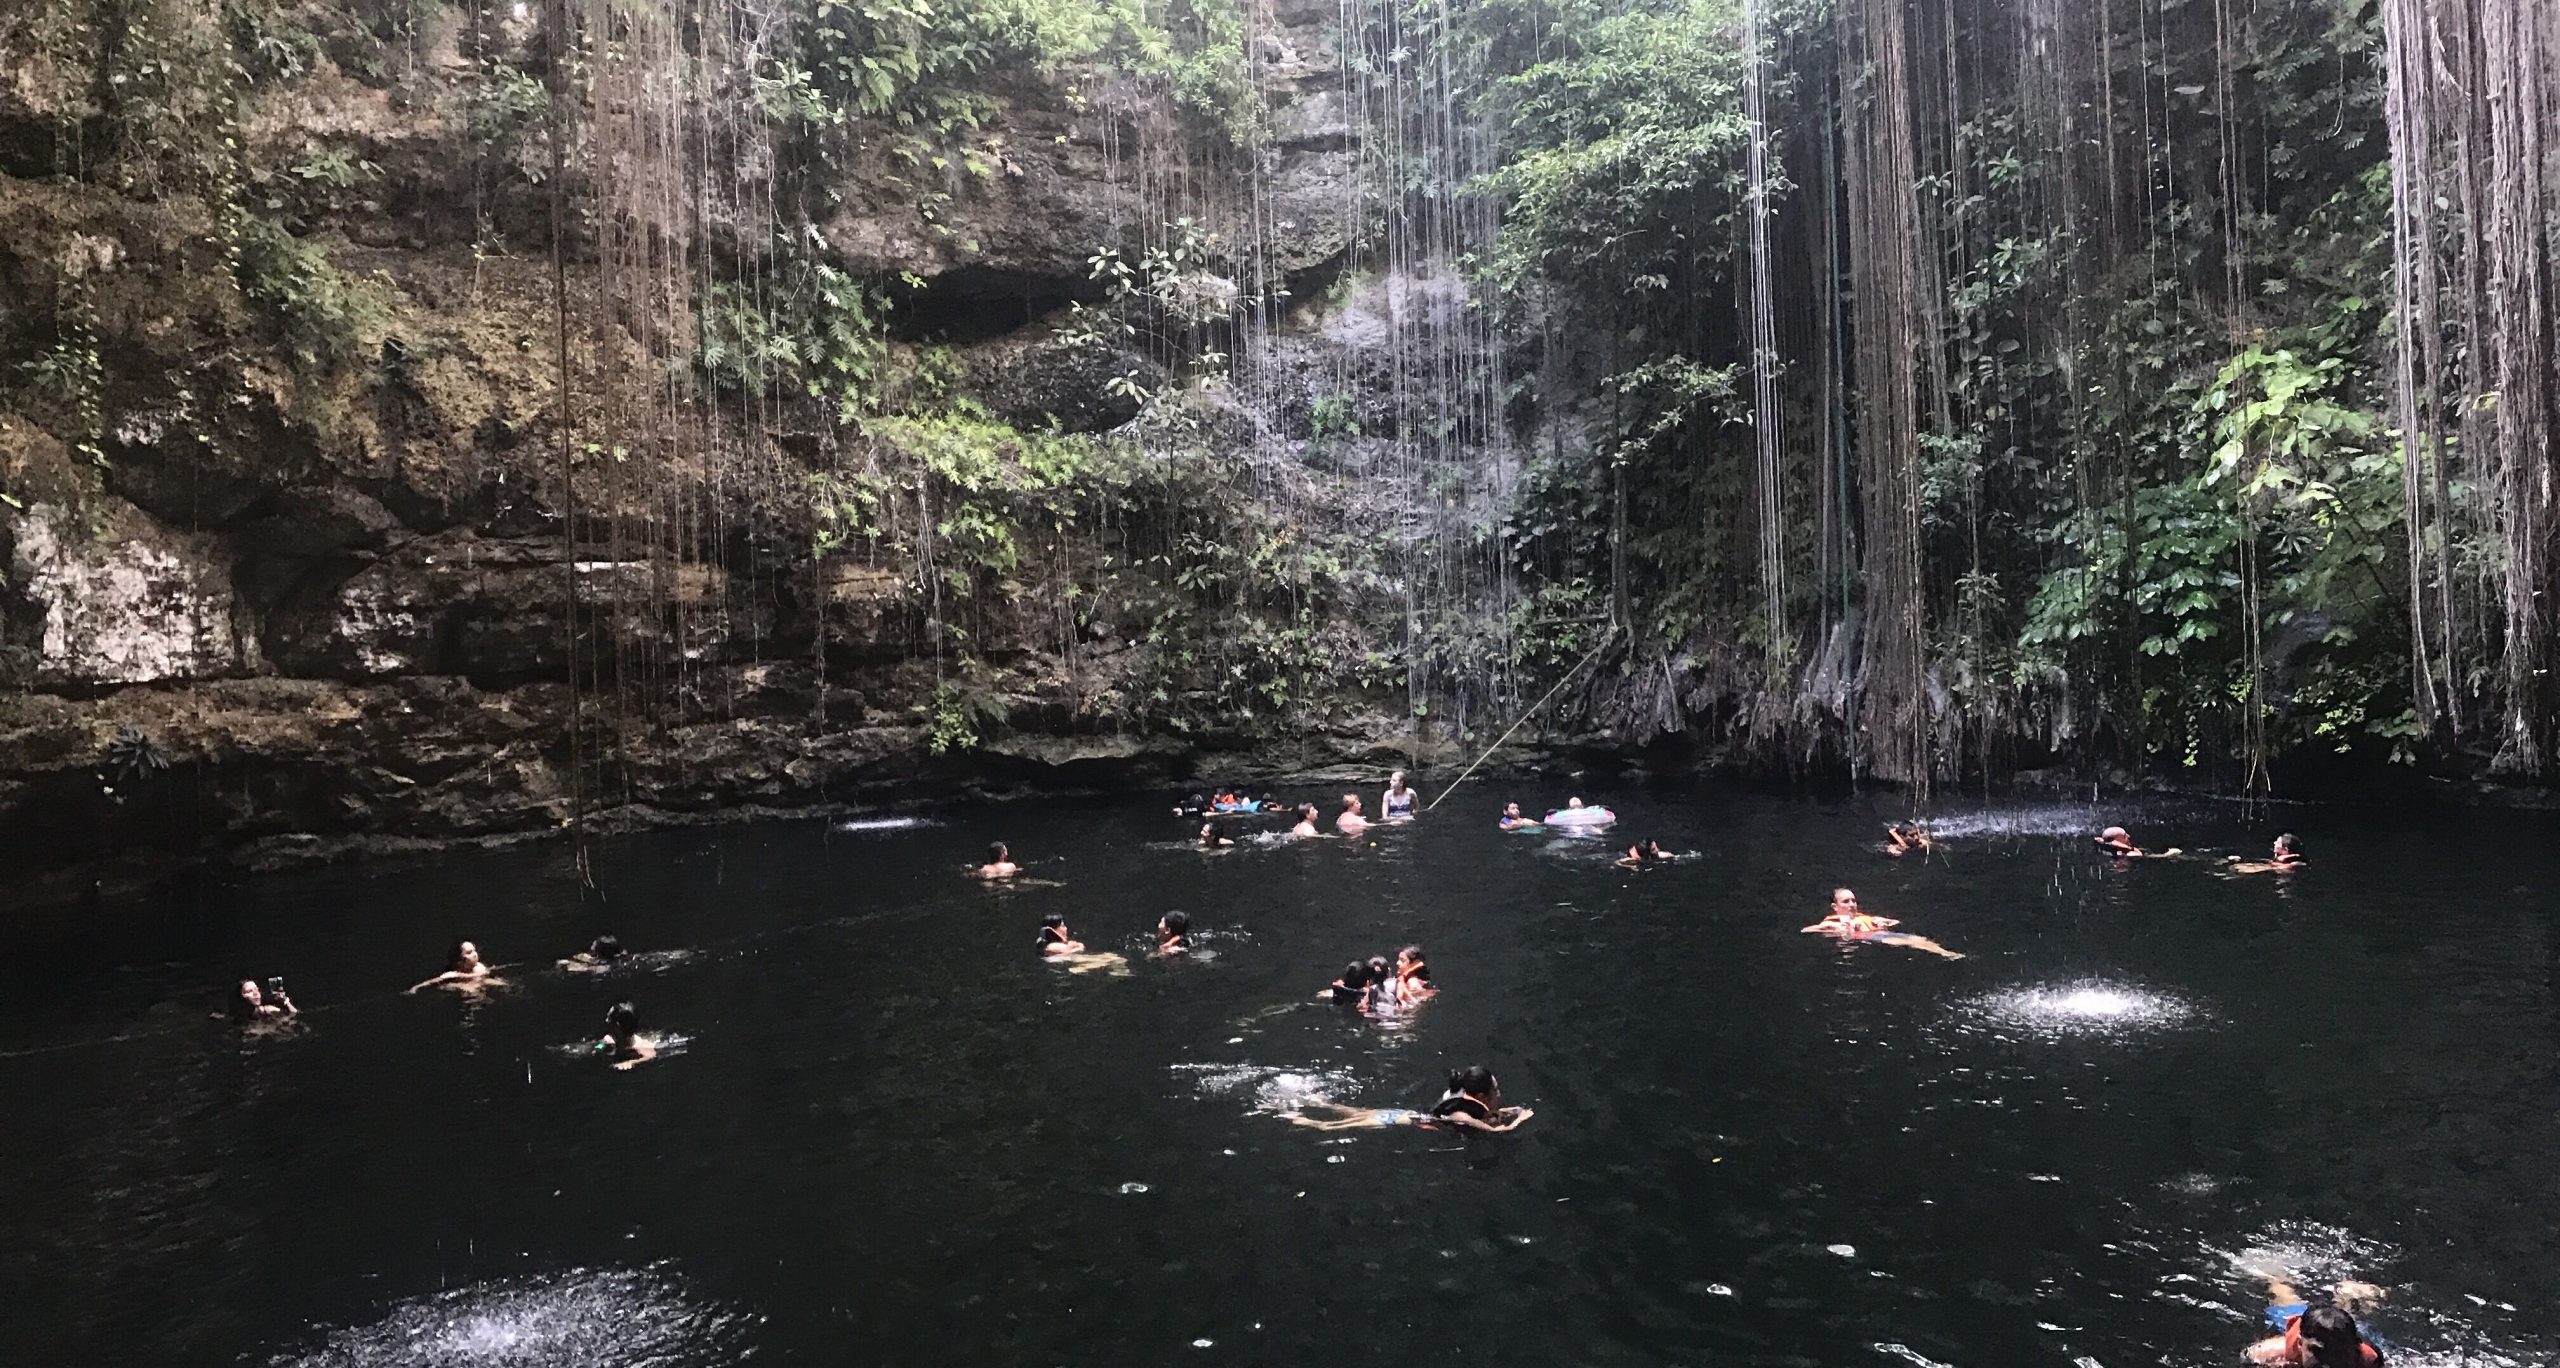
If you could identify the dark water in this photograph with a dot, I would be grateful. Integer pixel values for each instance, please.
(890, 1136)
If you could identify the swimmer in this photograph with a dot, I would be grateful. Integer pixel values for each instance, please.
(2117, 842)
(1472, 1103)
(1350, 822)
(622, 1039)
(1385, 994)
(1413, 976)
(2317, 1334)
(1349, 988)
(1397, 802)
(1901, 840)
(1212, 838)
(600, 955)
(999, 863)
(1849, 924)
(262, 1006)
(1572, 803)
(1054, 940)
(1173, 933)
(464, 970)
(1306, 822)
(1641, 854)
(1513, 821)
(2285, 858)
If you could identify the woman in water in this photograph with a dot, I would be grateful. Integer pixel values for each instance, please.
(2284, 859)
(1350, 822)
(1413, 976)
(1055, 942)
(1472, 1103)
(464, 970)
(1513, 821)
(255, 1006)
(1306, 822)
(2317, 1334)
(1849, 924)
(1173, 933)
(999, 863)
(622, 1039)
(600, 955)
(1397, 803)
(2116, 841)
(1642, 853)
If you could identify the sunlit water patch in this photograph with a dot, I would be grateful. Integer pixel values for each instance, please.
(629, 1318)
(859, 824)
(2084, 1007)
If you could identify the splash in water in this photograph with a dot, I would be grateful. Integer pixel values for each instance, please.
(2082, 1008)
(1270, 1088)
(578, 1317)
(886, 824)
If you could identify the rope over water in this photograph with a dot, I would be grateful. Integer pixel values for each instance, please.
(1534, 708)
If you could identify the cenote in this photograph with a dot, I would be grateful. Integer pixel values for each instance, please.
(887, 1134)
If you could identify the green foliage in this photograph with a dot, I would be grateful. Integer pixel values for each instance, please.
(960, 714)
(307, 307)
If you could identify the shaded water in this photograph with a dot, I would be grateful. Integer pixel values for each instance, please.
(894, 1137)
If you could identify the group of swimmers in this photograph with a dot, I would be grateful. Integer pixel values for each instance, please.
(1382, 989)
(623, 1044)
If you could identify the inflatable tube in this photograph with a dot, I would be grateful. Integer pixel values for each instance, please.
(1581, 817)
(1248, 805)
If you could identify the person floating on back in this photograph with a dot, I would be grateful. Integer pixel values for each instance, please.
(2116, 841)
(2317, 1334)
(999, 863)
(1849, 924)
(1350, 822)
(1473, 1103)
(2285, 858)
(464, 970)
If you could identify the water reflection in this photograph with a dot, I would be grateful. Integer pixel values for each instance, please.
(2084, 1007)
(578, 1317)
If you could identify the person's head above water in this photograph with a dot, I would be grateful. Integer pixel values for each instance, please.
(1355, 974)
(997, 853)
(1173, 926)
(1396, 780)
(1351, 804)
(1511, 809)
(1306, 812)
(2287, 848)
(622, 1021)
(1572, 803)
(605, 948)
(464, 957)
(1844, 903)
(1379, 970)
(1209, 833)
(1475, 1081)
(2329, 1337)
(2115, 836)
(1410, 964)
(1053, 925)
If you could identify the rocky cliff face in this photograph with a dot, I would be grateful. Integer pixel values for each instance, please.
(314, 569)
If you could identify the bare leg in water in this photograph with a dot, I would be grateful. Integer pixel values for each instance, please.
(1916, 943)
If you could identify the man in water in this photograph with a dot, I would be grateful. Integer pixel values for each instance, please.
(2285, 858)
(1349, 990)
(1350, 822)
(999, 864)
(1849, 924)
(2116, 841)
(599, 956)
(1512, 820)
(622, 1039)
(1642, 853)
(464, 970)
(1306, 822)
(2321, 1334)
(1900, 840)
(1173, 933)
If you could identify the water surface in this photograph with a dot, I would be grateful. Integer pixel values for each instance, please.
(894, 1137)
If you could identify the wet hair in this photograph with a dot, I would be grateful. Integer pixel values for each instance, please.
(1414, 953)
(1308, 811)
(605, 948)
(1058, 919)
(1212, 832)
(1395, 777)
(1835, 894)
(1475, 1078)
(1350, 801)
(997, 853)
(622, 1020)
(1355, 974)
(2330, 1337)
(246, 1008)
(1179, 923)
(453, 957)
(2288, 844)
(1379, 970)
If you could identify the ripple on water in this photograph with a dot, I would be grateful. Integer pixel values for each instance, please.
(1271, 1088)
(2083, 1007)
(636, 1317)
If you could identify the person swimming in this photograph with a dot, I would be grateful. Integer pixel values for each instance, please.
(622, 1039)
(599, 956)
(1413, 976)
(1349, 822)
(1848, 923)
(1054, 939)
(1173, 933)
(1473, 1103)
(1901, 839)
(464, 970)
(1306, 822)
(1512, 820)
(1212, 836)
(255, 1005)
(1642, 853)
(2284, 858)
(1384, 996)
(2116, 841)
(2317, 1334)
(999, 863)
(1397, 801)
(1348, 989)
